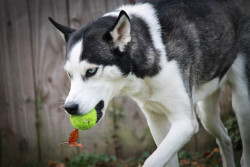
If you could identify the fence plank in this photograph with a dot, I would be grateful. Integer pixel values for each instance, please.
(17, 120)
(51, 81)
(133, 134)
(82, 12)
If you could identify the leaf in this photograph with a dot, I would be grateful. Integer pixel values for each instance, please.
(73, 144)
(55, 164)
(215, 150)
(72, 140)
(52, 164)
(73, 136)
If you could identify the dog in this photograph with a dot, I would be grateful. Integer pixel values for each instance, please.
(171, 57)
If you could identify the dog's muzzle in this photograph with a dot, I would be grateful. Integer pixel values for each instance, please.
(98, 109)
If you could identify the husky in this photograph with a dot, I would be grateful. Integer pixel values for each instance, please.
(172, 57)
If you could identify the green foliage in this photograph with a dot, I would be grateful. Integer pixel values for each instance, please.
(90, 160)
(101, 160)
(143, 157)
(185, 155)
(233, 131)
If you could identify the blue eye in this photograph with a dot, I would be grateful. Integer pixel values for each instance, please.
(91, 72)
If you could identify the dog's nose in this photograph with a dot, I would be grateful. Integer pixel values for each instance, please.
(71, 108)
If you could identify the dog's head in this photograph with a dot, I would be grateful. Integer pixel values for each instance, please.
(97, 62)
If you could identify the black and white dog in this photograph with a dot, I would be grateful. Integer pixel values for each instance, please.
(169, 56)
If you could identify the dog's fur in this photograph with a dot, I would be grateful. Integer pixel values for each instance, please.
(169, 56)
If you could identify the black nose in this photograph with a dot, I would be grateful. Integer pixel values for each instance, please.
(71, 108)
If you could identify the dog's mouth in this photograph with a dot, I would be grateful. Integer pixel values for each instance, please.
(98, 109)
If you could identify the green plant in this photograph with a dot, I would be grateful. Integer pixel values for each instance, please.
(90, 160)
(101, 160)
(233, 131)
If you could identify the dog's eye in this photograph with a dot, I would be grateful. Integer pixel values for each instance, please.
(69, 75)
(91, 72)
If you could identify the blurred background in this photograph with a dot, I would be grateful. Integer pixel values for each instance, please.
(33, 86)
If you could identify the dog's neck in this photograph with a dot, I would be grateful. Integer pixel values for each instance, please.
(134, 87)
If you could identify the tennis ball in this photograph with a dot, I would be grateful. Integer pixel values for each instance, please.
(84, 122)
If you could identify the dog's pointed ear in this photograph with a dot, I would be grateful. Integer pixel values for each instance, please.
(64, 31)
(120, 32)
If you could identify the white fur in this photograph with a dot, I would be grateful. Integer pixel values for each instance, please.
(209, 113)
(159, 125)
(84, 93)
(168, 99)
(241, 105)
(87, 93)
(202, 91)
(74, 56)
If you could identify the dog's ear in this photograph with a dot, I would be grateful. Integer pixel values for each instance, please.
(120, 32)
(64, 31)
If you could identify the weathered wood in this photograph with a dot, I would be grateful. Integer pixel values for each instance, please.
(51, 81)
(82, 11)
(17, 113)
(133, 134)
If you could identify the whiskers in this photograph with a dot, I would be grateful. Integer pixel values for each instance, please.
(60, 106)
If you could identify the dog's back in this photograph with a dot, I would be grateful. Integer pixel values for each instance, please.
(201, 35)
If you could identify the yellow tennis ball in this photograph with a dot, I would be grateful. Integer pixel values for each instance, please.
(84, 122)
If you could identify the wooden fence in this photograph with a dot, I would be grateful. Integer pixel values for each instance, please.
(34, 85)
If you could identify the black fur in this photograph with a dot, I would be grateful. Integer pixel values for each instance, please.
(133, 59)
(65, 30)
(201, 35)
(244, 46)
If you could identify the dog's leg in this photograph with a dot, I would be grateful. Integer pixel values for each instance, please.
(209, 113)
(183, 126)
(159, 126)
(241, 105)
(175, 102)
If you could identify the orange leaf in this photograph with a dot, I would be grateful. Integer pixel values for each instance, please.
(73, 136)
(73, 144)
(72, 140)
(52, 164)
(215, 150)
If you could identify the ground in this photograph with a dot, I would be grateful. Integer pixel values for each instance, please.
(187, 159)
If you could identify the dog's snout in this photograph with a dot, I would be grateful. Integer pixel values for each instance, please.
(71, 108)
